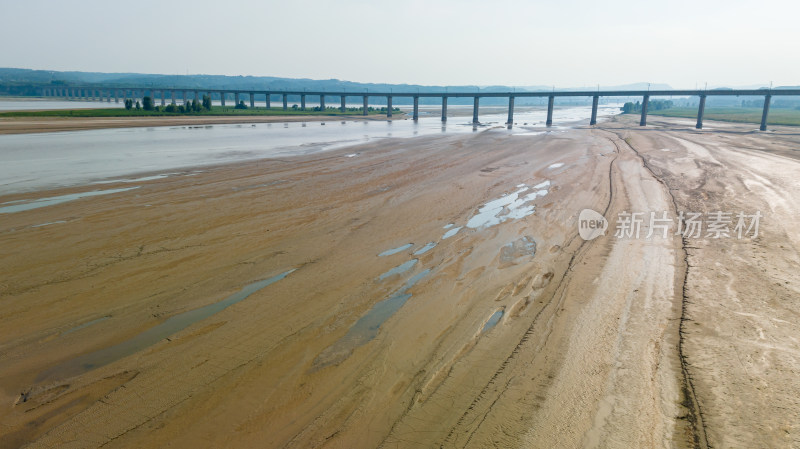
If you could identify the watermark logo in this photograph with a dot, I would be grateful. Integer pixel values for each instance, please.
(690, 225)
(591, 224)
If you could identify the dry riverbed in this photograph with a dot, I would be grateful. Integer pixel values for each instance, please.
(424, 292)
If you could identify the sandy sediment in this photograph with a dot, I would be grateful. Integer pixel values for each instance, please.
(614, 342)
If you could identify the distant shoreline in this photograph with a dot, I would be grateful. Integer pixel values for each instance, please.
(31, 125)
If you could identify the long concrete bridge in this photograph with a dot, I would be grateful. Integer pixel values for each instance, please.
(107, 93)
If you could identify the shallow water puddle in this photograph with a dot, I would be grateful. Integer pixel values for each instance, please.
(523, 246)
(142, 179)
(366, 328)
(493, 320)
(172, 325)
(23, 205)
(451, 232)
(425, 249)
(48, 223)
(508, 207)
(85, 325)
(389, 252)
(402, 268)
(556, 165)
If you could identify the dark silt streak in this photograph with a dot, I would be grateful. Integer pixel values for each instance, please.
(172, 325)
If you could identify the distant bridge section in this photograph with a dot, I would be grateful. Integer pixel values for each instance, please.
(100, 93)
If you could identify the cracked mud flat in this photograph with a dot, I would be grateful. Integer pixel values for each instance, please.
(660, 342)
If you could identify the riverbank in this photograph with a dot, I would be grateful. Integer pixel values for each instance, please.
(784, 117)
(25, 125)
(393, 294)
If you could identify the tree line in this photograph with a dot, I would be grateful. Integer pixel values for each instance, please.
(190, 106)
(652, 105)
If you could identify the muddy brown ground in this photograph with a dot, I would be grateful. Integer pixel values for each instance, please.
(614, 342)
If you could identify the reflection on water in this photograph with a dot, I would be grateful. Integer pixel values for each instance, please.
(101, 357)
(35, 161)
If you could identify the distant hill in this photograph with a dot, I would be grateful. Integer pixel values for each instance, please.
(15, 81)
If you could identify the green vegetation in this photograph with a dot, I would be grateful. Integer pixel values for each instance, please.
(740, 115)
(193, 109)
(652, 105)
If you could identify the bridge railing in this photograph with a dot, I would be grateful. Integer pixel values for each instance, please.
(105, 92)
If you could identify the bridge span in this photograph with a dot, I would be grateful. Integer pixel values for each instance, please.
(101, 93)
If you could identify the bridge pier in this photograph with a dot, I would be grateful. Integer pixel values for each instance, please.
(475, 103)
(366, 99)
(343, 107)
(550, 101)
(510, 120)
(285, 102)
(252, 99)
(444, 109)
(700, 110)
(183, 97)
(108, 96)
(645, 102)
(593, 120)
(116, 95)
(416, 109)
(389, 106)
(196, 96)
(764, 114)
(163, 98)
(172, 96)
(302, 102)
(322, 102)
(268, 102)
(235, 99)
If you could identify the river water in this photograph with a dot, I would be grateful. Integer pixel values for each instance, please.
(31, 162)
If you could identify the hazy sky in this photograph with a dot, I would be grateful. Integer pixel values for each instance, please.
(566, 43)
